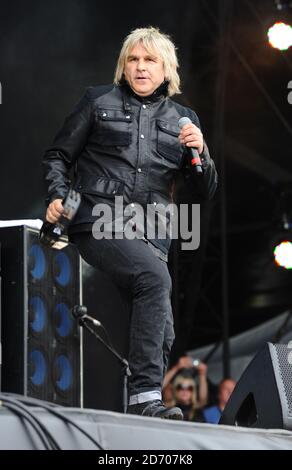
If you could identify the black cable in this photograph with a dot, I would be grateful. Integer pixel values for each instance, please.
(17, 402)
(34, 401)
(24, 416)
(52, 409)
(70, 421)
(107, 337)
(22, 411)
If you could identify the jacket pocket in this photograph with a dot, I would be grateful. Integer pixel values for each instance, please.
(113, 127)
(157, 197)
(100, 186)
(168, 144)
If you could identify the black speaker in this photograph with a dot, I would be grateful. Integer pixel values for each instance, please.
(0, 319)
(41, 341)
(263, 396)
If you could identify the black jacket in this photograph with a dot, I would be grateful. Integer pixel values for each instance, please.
(121, 145)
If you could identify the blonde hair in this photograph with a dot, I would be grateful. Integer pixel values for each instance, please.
(180, 379)
(152, 39)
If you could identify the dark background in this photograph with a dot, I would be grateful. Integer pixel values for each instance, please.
(51, 51)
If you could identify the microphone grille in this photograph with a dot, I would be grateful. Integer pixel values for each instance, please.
(183, 121)
(79, 311)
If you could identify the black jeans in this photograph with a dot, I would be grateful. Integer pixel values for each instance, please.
(132, 265)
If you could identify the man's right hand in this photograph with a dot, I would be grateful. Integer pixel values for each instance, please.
(54, 211)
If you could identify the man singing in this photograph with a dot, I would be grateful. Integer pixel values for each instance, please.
(123, 140)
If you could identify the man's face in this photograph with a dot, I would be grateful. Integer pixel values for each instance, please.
(143, 71)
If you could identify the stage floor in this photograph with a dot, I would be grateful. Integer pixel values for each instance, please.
(115, 431)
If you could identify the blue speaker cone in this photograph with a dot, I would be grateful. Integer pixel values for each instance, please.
(64, 269)
(38, 367)
(64, 320)
(38, 314)
(64, 373)
(37, 261)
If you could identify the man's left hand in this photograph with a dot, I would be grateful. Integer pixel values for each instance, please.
(191, 136)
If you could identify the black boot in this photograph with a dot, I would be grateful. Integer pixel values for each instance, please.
(156, 409)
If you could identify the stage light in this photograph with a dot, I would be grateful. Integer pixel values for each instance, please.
(282, 239)
(280, 36)
(280, 27)
(283, 254)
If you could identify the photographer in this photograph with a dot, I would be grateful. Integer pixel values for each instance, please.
(180, 388)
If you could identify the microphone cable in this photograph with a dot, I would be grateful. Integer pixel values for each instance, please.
(52, 408)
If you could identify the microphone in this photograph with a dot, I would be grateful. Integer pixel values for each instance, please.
(195, 158)
(50, 234)
(80, 312)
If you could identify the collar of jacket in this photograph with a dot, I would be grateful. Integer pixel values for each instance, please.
(160, 92)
